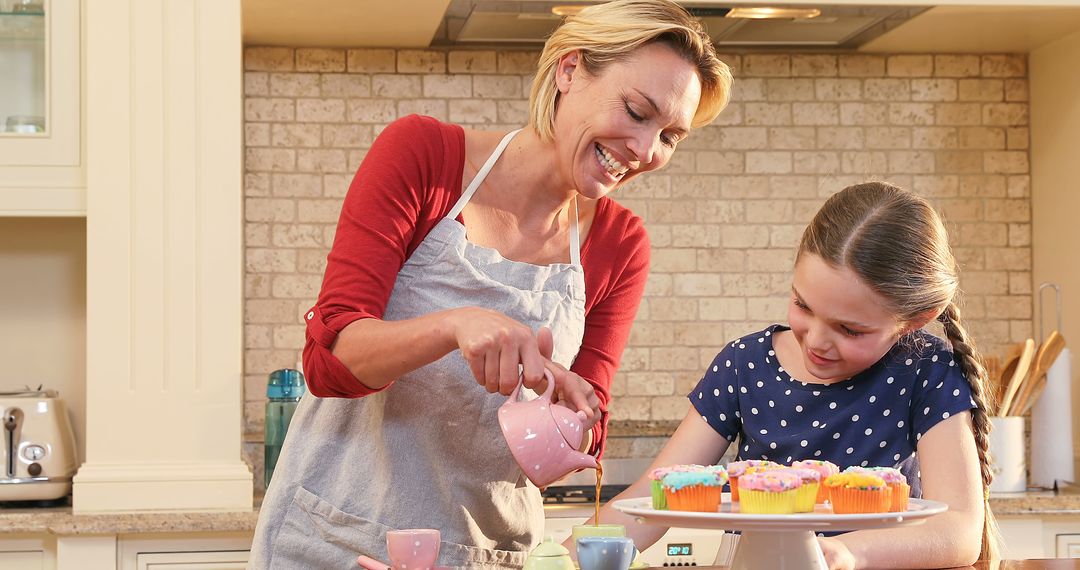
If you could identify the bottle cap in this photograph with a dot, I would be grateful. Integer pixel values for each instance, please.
(285, 383)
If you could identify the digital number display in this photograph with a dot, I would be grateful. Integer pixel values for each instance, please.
(680, 549)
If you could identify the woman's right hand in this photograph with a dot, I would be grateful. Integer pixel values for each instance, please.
(494, 345)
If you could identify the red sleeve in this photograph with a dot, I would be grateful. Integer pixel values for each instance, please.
(615, 257)
(407, 181)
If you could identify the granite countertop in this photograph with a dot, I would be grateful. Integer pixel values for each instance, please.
(62, 521)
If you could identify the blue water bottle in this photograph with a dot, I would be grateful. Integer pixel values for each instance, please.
(283, 391)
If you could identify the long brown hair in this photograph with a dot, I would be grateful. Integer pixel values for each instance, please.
(896, 243)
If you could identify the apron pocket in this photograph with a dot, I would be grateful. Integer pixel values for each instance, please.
(316, 534)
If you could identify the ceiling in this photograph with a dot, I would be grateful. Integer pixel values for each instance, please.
(871, 25)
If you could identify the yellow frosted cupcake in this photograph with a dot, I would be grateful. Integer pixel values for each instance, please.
(771, 492)
(806, 495)
(853, 493)
(896, 481)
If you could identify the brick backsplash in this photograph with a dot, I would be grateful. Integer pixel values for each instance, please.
(724, 217)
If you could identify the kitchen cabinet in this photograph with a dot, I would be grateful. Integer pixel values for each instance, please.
(27, 553)
(41, 150)
(187, 552)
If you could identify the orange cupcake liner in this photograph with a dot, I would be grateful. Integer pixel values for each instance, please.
(900, 494)
(698, 498)
(734, 488)
(847, 501)
(822, 494)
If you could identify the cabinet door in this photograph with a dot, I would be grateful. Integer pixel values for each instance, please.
(27, 560)
(1068, 546)
(224, 560)
(41, 169)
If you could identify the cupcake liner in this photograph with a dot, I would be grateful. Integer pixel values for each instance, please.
(846, 501)
(822, 494)
(767, 502)
(659, 501)
(734, 481)
(900, 494)
(698, 498)
(806, 496)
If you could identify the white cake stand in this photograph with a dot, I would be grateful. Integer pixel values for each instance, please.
(778, 542)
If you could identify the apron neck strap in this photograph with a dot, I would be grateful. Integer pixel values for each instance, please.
(575, 239)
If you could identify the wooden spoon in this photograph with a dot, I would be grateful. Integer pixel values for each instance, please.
(1016, 371)
(1044, 359)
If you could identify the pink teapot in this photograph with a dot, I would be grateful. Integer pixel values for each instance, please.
(544, 437)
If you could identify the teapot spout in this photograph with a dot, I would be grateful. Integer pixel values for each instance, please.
(577, 460)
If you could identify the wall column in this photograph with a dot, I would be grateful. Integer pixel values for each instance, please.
(164, 257)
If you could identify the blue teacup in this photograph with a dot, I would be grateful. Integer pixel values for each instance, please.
(605, 552)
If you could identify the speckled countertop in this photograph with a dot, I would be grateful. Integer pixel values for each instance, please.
(62, 521)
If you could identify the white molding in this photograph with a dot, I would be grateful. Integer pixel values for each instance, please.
(113, 487)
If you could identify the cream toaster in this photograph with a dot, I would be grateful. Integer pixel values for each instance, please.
(37, 455)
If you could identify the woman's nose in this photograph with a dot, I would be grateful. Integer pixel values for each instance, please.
(644, 147)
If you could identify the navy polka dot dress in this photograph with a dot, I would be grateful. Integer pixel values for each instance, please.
(875, 418)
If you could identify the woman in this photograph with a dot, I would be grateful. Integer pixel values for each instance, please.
(419, 332)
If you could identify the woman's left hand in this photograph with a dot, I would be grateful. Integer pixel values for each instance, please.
(837, 555)
(571, 391)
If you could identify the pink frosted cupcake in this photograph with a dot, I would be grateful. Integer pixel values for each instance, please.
(656, 476)
(737, 469)
(806, 495)
(771, 492)
(824, 468)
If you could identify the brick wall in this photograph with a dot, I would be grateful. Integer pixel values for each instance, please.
(724, 217)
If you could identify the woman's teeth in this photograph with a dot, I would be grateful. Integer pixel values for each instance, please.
(614, 167)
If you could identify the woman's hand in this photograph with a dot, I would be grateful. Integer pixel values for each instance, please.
(837, 555)
(494, 345)
(573, 392)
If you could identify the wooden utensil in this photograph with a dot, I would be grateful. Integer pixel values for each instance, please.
(1016, 371)
(1036, 383)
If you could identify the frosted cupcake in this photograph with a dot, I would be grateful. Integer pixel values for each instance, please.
(895, 480)
(771, 492)
(737, 469)
(824, 468)
(806, 495)
(852, 493)
(659, 500)
(693, 490)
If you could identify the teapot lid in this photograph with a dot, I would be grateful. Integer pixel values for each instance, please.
(549, 548)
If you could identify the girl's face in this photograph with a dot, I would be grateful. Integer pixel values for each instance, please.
(627, 120)
(841, 325)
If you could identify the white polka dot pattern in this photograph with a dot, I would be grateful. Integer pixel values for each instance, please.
(879, 414)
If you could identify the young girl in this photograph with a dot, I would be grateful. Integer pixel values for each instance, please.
(854, 380)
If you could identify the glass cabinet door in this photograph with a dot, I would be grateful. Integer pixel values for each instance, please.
(23, 68)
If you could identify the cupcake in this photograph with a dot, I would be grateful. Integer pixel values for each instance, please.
(736, 469)
(659, 500)
(825, 468)
(697, 490)
(769, 492)
(852, 493)
(806, 495)
(895, 480)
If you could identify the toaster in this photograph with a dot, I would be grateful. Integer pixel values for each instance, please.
(37, 455)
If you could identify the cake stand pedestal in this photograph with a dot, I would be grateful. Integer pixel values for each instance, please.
(778, 542)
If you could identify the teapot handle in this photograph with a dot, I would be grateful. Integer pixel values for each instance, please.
(547, 392)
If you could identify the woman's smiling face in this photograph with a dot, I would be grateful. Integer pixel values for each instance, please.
(626, 120)
(842, 326)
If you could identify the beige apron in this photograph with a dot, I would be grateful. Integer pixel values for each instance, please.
(427, 452)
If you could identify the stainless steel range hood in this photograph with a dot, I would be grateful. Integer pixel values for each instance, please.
(472, 22)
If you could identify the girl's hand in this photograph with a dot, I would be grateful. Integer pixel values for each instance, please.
(837, 555)
(494, 345)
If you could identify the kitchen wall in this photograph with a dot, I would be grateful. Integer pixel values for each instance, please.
(724, 217)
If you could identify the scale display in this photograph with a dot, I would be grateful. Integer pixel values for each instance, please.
(682, 549)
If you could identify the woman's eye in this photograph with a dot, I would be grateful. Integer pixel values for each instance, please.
(634, 115)
(800, 304)
(668, 140)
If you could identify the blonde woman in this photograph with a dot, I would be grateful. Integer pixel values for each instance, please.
(460, 257)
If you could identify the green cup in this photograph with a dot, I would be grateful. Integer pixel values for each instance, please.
(581, 530)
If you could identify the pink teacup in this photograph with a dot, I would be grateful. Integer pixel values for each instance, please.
(414, 549)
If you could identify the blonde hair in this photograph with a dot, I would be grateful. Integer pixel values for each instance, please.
(896, 243)
(607, 33)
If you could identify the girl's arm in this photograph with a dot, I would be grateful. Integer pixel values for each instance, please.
(693, 442)
(949, 463)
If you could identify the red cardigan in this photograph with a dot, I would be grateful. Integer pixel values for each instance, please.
(409, 180)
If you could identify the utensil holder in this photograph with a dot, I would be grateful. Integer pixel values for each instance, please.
(1007, 453)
